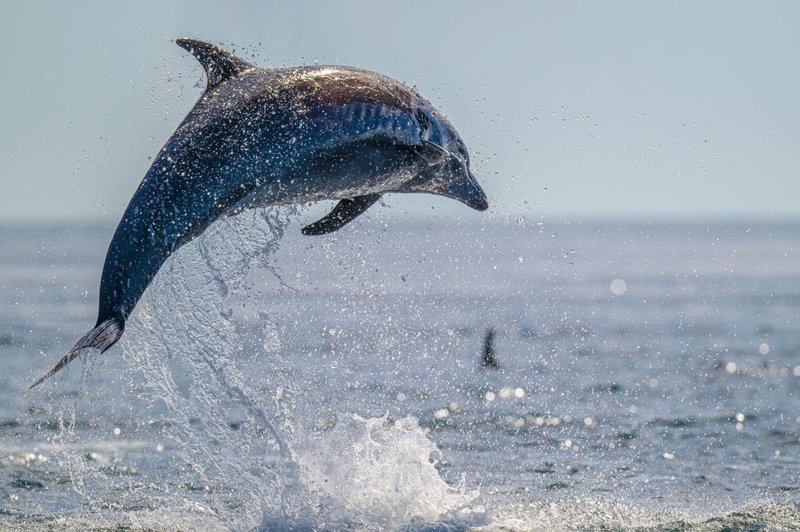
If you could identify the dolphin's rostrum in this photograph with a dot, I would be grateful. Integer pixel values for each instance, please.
(259, 137)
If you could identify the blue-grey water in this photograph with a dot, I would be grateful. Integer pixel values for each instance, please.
(649, 377)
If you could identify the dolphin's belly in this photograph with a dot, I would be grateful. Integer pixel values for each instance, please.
(337, 151)
(341, 171)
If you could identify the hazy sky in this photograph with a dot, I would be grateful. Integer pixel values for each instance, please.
(624, 109)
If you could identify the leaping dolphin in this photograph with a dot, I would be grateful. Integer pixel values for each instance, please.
(262, 136)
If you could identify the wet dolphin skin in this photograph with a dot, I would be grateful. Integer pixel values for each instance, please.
(259, 137)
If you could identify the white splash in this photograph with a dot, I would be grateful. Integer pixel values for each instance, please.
(378, 473)
(203, 351)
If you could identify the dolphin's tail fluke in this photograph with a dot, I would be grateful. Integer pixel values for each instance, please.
(101, 337)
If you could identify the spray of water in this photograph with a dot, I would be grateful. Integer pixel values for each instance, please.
(203, 353)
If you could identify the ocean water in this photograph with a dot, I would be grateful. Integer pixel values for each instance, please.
(649, 378)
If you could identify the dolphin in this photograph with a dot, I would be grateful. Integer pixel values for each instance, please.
(274, 136)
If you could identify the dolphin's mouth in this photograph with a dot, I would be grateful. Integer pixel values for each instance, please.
(468, 192)
(478, 201)
(473, 195)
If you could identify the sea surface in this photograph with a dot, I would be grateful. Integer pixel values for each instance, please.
(649, 378)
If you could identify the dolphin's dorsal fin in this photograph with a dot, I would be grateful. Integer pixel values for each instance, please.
(219, 64)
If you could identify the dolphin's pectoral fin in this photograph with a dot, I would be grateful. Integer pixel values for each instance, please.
(432, 153)
(218, 63)
(101, 337)
(344, 212)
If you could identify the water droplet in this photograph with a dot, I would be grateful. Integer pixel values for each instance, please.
(618, 287)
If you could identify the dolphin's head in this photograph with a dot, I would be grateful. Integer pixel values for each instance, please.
(447, 166)
(461, 184)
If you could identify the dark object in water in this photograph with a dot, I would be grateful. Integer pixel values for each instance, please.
(488, 350)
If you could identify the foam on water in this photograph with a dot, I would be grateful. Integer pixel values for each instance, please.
(379, 473)
(602, 513)
(202, 351)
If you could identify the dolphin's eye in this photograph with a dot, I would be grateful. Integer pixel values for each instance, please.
(461, 148)
(422, 118)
